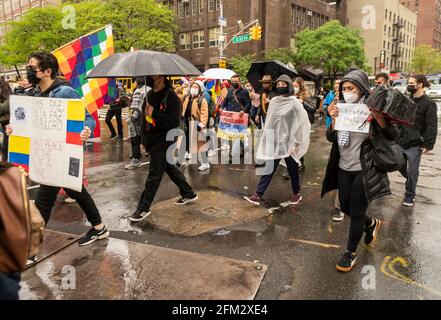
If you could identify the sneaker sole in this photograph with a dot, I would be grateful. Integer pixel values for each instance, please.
(375, 234)
(104, 236)
(251, 201)
(342, 269)
(338, 219)
(409, 205)
(294, 203)
(140, 219)
(187, 202)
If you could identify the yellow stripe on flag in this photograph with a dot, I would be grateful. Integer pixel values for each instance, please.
(19, 144)
(76, 110)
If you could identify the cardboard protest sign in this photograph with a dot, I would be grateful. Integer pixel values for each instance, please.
(46, 139)
(352, 117)
(232, 126)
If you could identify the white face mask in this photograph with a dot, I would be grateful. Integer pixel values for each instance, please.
(351, 97)
(194, 92)
(296, 90)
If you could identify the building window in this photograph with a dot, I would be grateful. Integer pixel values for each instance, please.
(8, 8)
(194, 7)
(198, 39)
(181, 11)
(210, 5)
(187, 9)
(24, 3)
(201, 6)
(213, 36)
(184, 41)
(218, 4)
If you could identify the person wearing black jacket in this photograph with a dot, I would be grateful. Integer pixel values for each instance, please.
(237, 100)
(420, 138)
(351, 168)
(161, 114)
(5, 92)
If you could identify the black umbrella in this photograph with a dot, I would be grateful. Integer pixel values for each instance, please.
(273, 68)
(143, 63)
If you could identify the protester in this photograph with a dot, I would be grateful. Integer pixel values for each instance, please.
(265, 98)
(381, 79)
(351, 168)
(286, 126)
(162, 114)
(195, 111)
(420, 138)
(115, 110)
(237, 100)
(42, 69)
(5, 92)
(134, 122)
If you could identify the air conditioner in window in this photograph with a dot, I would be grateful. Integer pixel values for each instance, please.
(309, 13)
(185, 1)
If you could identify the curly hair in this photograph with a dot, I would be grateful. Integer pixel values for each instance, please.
(303, 94)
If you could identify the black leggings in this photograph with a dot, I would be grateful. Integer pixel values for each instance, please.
(353, 202)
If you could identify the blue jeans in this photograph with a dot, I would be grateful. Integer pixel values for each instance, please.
(293, 170)
(413, 170)
(9, 286)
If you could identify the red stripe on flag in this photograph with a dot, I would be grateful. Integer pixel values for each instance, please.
(74, 138)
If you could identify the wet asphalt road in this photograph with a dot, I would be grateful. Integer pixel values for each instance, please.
(299, 244)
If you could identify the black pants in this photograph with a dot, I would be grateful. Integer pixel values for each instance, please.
(47, 196)
(136, 147)
(110, 114)
(353, 202)
(293, 170)
(5, 143)
(159, 165)
(9, 286)
(187, 134)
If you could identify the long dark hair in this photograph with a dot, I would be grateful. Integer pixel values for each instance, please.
(5, 90)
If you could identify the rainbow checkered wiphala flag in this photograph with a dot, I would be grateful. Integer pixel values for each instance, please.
(78, 58)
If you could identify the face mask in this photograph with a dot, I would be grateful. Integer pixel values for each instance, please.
(236, 85)
(150, 82)
(351, 97)
(32, 77)
(194, 92)
(412, 89)
(296, 90)
(283, 90)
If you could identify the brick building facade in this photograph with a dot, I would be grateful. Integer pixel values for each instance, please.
(428, 21)
(280, 20)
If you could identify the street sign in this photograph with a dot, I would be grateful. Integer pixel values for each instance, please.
(222, 22)
(242, 38)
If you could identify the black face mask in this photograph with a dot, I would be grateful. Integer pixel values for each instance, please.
(283, 90)
(150, 82)
(236, 85)
(412, 89)
(31, 74)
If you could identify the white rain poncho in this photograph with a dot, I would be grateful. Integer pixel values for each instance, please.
(286, 131)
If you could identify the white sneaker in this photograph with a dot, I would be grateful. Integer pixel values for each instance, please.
(187, 156)
(211, 153)
(204, 166)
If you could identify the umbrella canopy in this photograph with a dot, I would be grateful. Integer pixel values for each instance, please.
(218, 74)
(273, 68)
(143, 63)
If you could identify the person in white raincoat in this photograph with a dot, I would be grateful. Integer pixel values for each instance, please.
(285, 136)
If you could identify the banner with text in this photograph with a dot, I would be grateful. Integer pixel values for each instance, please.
(352, 118)
(232, 126)
(46, 139)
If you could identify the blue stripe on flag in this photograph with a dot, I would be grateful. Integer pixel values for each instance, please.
(19, 158)
(75, 126)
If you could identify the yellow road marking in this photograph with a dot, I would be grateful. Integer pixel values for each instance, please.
(397, 276)
(323, 245)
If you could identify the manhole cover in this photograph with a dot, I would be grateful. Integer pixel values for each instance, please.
(214, 210)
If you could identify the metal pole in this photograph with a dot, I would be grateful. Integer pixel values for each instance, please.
(221, 47)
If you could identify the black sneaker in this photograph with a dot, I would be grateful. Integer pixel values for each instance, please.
(184, 201)
(93, 235)
(408, 202)
(139, 215)
(372, 232)
(347, 262)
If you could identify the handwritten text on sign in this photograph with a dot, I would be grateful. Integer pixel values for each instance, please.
(232, 126)
(47, 141)
(352, 117)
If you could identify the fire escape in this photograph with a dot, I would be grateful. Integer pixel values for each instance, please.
(397, 40)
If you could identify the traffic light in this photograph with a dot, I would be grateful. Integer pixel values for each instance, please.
(256, 33)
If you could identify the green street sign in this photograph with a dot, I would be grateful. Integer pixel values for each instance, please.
(242, 38)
